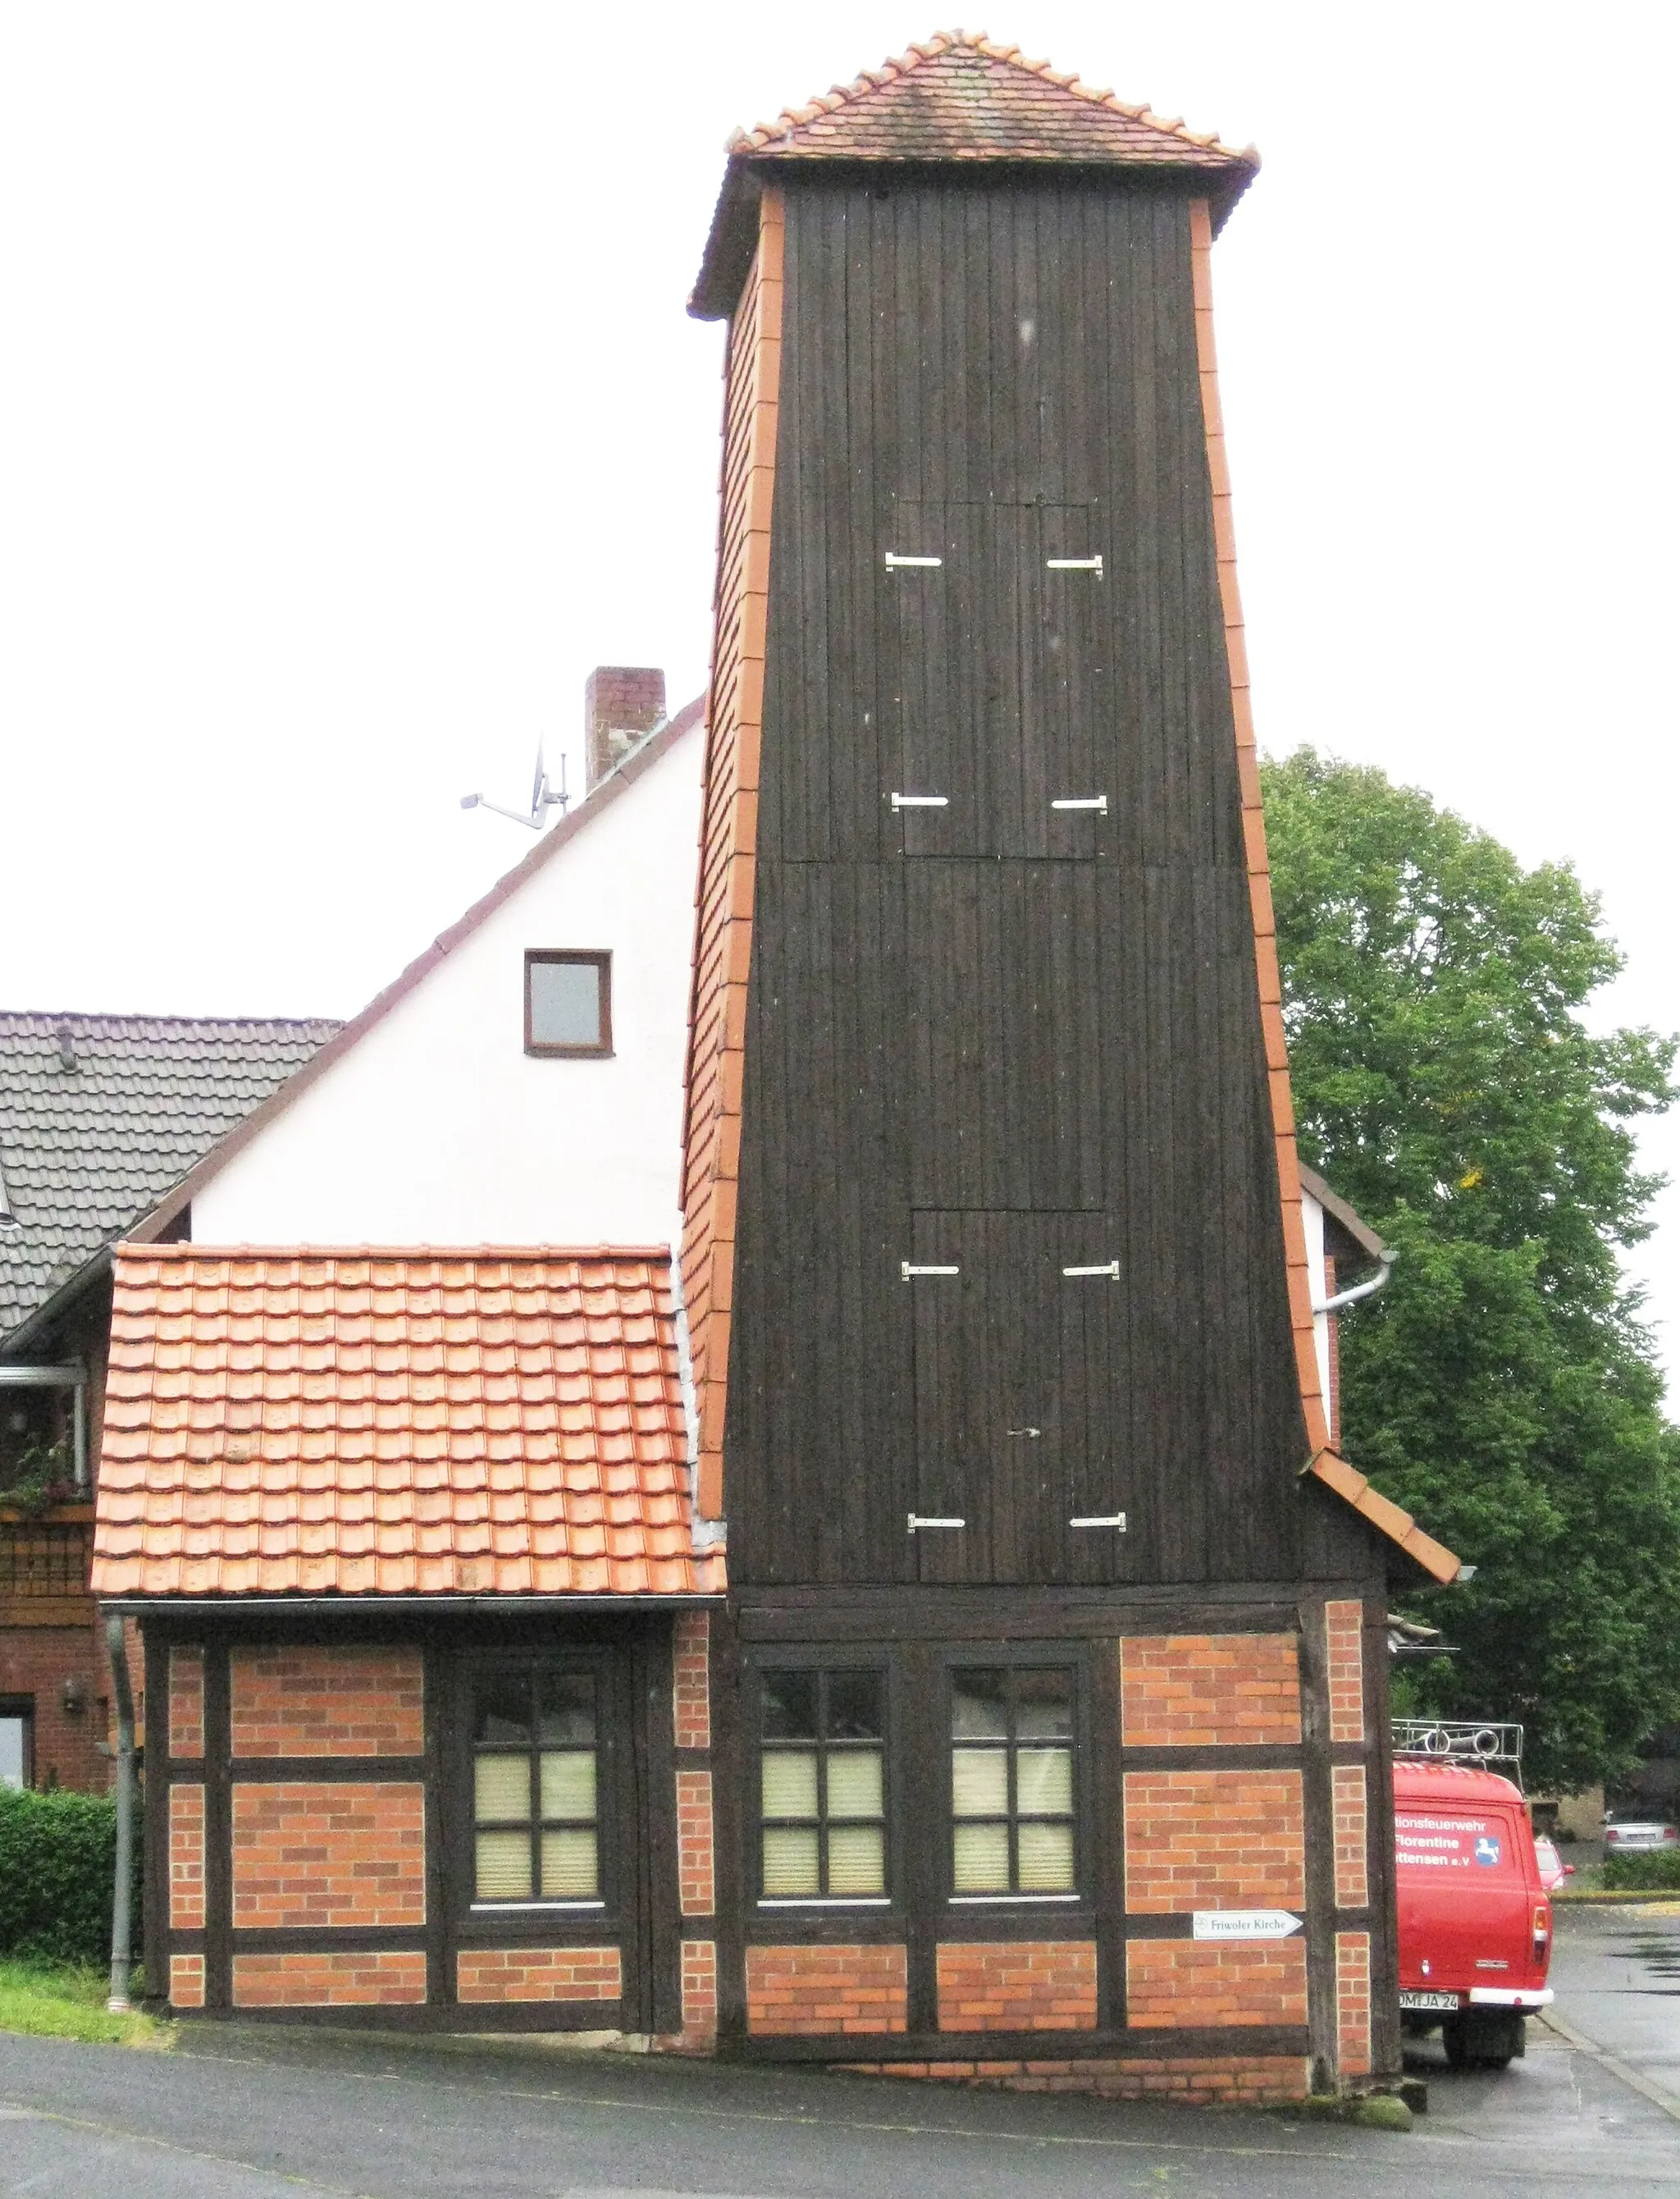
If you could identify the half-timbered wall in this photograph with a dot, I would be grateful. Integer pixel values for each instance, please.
(1004, 1026)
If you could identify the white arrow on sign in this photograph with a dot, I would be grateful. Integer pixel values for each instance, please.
(1244, 1924)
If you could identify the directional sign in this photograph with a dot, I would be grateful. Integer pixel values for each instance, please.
(1244, 1924)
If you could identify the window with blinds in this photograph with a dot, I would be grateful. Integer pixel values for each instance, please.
(822, 1835)
(1012, 1782)
(535, 1789)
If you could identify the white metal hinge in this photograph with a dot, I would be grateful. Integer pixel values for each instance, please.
(1075, 564)
(1103, 1520)
(894, 560)
(1110, 1267)
(907, 1269)
(1097, 802)
(916, 1520)
(920, 800)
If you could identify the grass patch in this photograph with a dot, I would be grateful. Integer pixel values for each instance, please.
(66, 2000)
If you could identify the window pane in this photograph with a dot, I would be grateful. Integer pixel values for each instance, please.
(790, 1861)
(501, 1788)
(790, 1782)
(790, 1705)
(1044, 1706)
(980, 1782)
(12, 1751)
(569, 1872)
(566, 1784)
(503, 1713)
(1044, 1782)
(503, 1867)
(565, 1712)
(982, 1859)
(1046, 1858)
(977, 1707)
(857, 1859)
(565, 1003)
(854, 1706)
(854, 1782)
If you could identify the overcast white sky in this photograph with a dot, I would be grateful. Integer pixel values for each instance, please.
(349, 413)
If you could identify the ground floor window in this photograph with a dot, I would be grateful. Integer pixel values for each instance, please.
(535, 1787)
(1012, 1804)
(17, 1740)
(823, 1786)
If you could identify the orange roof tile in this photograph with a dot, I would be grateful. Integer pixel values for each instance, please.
(497, 1421)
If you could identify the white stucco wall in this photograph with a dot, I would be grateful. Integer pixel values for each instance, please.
(1312, 1217)
(435, 1128)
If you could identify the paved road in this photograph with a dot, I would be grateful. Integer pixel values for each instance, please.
(250, 2114)
(1617, 1976)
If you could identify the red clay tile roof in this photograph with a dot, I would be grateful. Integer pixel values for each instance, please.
(371, 1422)
(964, 97)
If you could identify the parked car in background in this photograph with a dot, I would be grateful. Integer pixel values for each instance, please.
(1633, 1835)
(1553, 1869)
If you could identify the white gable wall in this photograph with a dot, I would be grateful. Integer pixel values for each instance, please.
(436, 1128)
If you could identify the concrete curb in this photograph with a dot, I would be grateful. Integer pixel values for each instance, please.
(1658, 2094)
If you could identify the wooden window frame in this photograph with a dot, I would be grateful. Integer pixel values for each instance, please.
(822, 1664)
(605, 1906)
(1079, 1896)
(22, 1707)
(601, 958)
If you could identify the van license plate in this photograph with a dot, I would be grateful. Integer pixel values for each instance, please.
(1438, 2000)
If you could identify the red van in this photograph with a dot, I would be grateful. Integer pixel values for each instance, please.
(1475, 1927)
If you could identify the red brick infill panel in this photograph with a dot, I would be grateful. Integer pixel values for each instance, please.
(1238, 2077)
(690, 1687)
(319, 1854)
(1347, 1804)
(351, 1701)
(388, 1978)
(1181, 1984)
(1020, 1985)
(1213, 1840)
(1345, 1632)
(699, 1995)
(186, 1858)
(186, 1982)
(538, 1974)
(1353, 2003)
(694, 1843)
(813, 1990)
(1209, 1690)
(186, 1702)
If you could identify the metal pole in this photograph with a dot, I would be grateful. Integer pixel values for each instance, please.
(122, 1922)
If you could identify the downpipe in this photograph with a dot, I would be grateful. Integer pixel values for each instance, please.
(122, 1915)
(1366, 1289)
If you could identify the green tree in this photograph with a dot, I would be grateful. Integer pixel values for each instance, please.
(1503, 1387)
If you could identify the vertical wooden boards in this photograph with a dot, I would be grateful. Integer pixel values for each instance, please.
(1034, 1029)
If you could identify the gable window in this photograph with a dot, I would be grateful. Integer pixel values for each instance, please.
(568, 1002)
(536, 1811)
(822, 1786)
(1012, 1782)
(17, 1740)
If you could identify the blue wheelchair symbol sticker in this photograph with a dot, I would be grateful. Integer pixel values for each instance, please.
(1487, 1851)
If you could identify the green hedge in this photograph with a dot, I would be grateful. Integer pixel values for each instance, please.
(58, 1857)
(1656, 1871)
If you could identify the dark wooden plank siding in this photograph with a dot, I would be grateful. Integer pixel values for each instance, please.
(1018, 1029)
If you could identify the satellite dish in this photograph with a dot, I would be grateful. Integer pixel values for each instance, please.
(544, 798)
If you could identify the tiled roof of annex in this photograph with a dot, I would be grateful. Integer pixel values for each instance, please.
(367, 1422)
(960, 95)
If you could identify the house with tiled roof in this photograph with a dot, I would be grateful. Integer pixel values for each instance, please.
(100, 1117)
(1034, 1728)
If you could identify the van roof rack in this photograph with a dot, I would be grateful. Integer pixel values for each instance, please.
(1461, 1740)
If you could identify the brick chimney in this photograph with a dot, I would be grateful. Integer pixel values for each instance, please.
(621, 702)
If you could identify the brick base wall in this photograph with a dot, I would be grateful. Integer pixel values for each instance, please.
(1018, 1985)
(1253, 2078)
(813, 1990)
(700, 1996)
(1183, 1984)
(1353, 2003)
(186, 1982)
(537, 1974)
(388, 1978)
